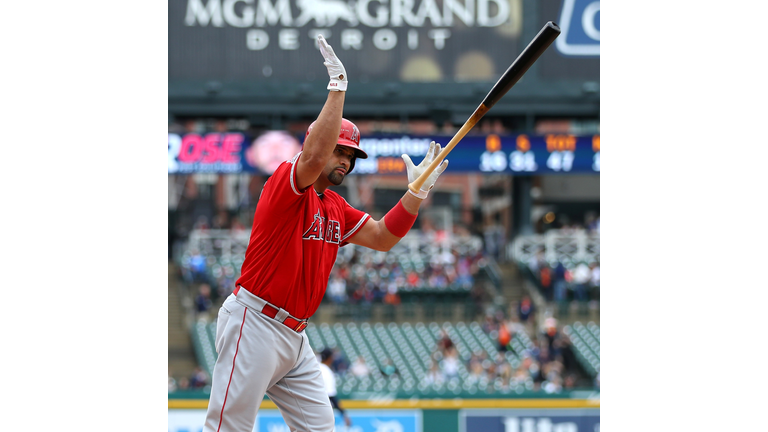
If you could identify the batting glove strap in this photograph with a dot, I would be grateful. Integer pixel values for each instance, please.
(335, 68)
(421, 195)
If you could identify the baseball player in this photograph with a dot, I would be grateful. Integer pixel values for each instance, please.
(298, 227)
(329, 378)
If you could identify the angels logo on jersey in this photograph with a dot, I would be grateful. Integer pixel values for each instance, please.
(331, 234)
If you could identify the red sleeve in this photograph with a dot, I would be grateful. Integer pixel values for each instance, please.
(281, 190)
(354, 219)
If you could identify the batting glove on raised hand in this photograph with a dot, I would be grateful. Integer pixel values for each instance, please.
(414, 171)
(335, 69)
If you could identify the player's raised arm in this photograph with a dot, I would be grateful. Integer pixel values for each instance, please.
(382, 234)
(321, 141)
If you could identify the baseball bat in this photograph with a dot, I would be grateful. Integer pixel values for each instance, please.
(522, 63)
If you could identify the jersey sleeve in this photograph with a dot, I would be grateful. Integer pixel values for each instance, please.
(281, 190)
(354, 219)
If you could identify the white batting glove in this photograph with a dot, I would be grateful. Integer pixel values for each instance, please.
(414, 171)
(335, 69)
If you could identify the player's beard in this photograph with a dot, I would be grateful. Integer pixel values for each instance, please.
(335, 178)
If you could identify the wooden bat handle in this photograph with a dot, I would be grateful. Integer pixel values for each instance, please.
(525, 60)
(468, 125)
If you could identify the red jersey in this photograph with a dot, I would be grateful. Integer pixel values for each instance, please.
(294, 241)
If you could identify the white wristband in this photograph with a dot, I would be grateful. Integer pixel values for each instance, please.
(421, 195)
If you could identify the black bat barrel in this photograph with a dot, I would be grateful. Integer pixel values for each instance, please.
(522, 63)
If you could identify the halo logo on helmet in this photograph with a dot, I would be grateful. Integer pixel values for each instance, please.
(349, 136)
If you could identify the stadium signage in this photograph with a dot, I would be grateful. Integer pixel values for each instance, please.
(529, 420)
(319, 15)
(580, 25)
(213, 152)
(520, 154)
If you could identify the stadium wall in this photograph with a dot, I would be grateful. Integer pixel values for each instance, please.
(578, 413)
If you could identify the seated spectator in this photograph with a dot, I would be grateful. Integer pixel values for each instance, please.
(340, 365)
(525, 310)
(199, 379)
(203, 302)
(434, 375)
(392, 297)
(337, 289)
(444, 344)
(388, 369)
(559, 283)
(594, 280)
(359, 369)
(581, 277)
(504, 337)
(450, 363)
(476, 372)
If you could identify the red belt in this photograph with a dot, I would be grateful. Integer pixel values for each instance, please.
(290, 322)
(293, 324)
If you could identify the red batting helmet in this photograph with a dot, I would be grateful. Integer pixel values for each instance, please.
(348, 137)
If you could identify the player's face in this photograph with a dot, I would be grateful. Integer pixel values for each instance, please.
(339, 164)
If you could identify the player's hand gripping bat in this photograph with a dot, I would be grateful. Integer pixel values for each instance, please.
(522, 63)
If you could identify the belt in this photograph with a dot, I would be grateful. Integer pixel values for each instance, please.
(280, 315)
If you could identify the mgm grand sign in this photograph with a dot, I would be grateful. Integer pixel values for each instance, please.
(406, 40)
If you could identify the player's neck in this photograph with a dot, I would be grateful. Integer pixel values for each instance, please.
(320, 187)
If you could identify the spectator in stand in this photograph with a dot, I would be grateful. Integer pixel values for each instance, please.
(198, 267)
(525, 309)
(199, 379)
(391, 297)
(504, 336)
(550, 332)
(581, 276)
(337, 288)
(476, 371)
(450, 363)
(388, 369)
(545, 278)
(359, 369)
(444, 344)
(559, 284)
(172, 386)
(340, 364)
(434, 375)
(203, 302)
(594, 281)
(183, 384)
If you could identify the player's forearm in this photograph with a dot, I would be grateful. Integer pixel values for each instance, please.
(319, 145)
(400, 221)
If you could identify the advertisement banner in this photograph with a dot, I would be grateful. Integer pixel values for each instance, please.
(530, 420)
(270, 420)
(378, 40)
(518, 154)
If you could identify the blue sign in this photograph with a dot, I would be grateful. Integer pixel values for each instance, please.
(530, 420)
(515, 154)
(580, 28)
(362, 421)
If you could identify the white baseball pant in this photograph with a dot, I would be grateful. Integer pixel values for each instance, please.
(258, 355)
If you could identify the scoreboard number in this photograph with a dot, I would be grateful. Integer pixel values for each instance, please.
(560, 161)
(520, 161)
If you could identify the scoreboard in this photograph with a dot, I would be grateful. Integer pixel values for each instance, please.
(520, 154)
(514, 154)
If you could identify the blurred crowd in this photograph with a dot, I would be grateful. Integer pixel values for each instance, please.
(198, 380)
(547, 364)
(430, 261)
(566, 281)
(362, 275)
